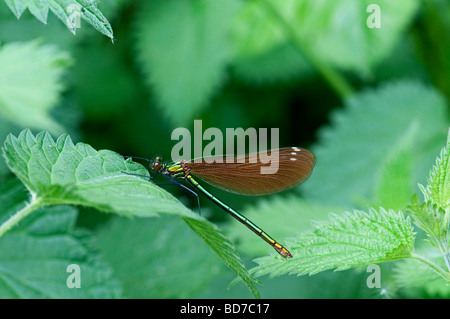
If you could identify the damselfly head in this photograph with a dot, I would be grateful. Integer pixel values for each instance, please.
(156, 164)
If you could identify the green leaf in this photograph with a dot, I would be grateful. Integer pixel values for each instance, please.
(183, 47)
(431, 218)
(354, 149)
(282, 63)
(281, 216)
(395, 185)
(30, 84)
(68, 11)
(412, 273)
(433, 215)
(12, 197)
(344, 242)
(157, 258)
(320, 27)
(224, 249)
(63, 173)
(412, 276)
(438, 188)
(36, 254)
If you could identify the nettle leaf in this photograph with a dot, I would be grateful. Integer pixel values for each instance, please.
(158, 272)
(152, 250)
(68, 11)
(411, 275)
(395, 184)
(431, 218)
(320, 26)
(344, 242)
(355, 150)
(63, 173)
(291, 213)
(35, 255)
(224, 249)
(433, 215)
(438, 188)
(282, 63)
(183, 47)
(30, 83)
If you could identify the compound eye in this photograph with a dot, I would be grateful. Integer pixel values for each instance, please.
(156, 165)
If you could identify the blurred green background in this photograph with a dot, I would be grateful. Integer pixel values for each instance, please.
(356, 96)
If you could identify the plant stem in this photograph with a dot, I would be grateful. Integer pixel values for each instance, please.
(441, 272)
(444, 250)
(34, 204)
(334, 78)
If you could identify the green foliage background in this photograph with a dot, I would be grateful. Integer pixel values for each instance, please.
(372, 104)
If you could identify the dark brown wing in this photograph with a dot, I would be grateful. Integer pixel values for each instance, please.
(294, 167)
